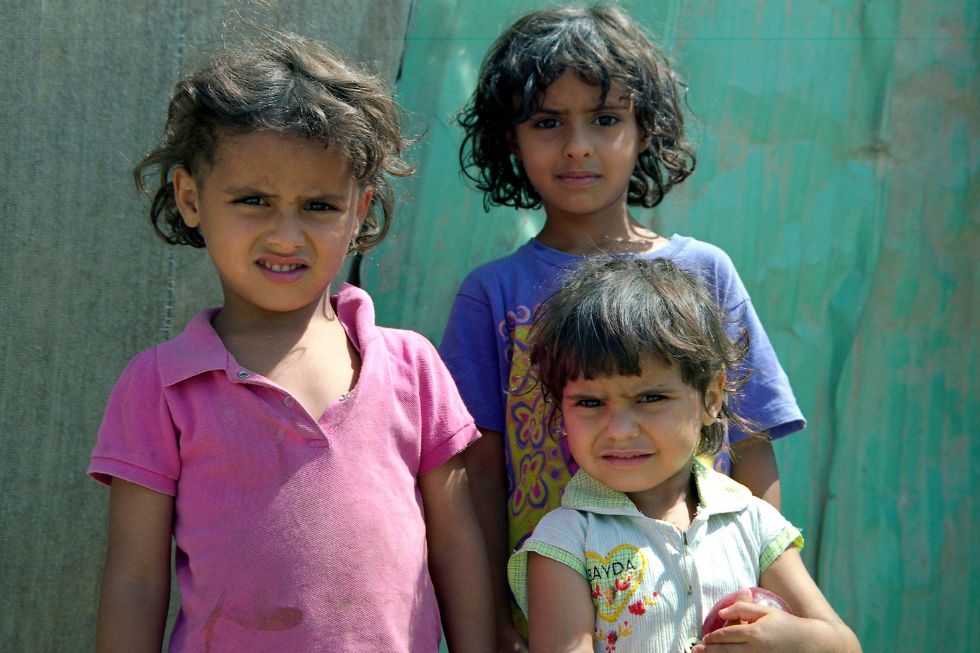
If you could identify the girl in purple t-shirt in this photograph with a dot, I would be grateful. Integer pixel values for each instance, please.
(576, 111)
(302, 459)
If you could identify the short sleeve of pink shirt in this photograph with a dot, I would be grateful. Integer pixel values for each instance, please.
(140, 443)
(293, 532)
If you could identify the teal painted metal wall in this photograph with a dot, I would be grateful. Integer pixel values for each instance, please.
(838, 165)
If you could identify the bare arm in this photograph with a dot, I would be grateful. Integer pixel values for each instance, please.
(457, 558)
(813, 627)
(754, 466)
(561, 617)
(486, 468)
(135, 589)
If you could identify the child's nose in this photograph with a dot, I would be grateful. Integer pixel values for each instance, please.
(621, 425)
(578, 145)
(286, 233)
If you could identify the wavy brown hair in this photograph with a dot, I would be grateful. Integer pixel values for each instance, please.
(612, 313)
(604, 46)
(286, 84)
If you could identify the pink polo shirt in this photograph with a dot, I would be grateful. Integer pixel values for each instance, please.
(292, 534)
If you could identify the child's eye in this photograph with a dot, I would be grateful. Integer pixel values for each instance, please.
(320, 206)
(252, 200)
(607, 120)
(547, 123)
(588, 403)
(650, 398)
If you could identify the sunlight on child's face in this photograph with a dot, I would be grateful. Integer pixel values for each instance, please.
(277, 213)
(578, 151)
(638, 434)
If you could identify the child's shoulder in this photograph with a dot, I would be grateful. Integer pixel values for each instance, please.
(142, 369)
(505, 266)
(712, 264)
(562, 534)
(529, 267)
(406, 344)
(196, 347)
(717, 489)
(721, 494)
(692, 250)
(355, 308)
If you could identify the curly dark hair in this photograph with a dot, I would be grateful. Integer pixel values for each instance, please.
(612, 313)
(604, 46)
(282, 83)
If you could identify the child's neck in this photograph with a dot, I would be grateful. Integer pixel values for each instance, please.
(618, 233)
(245, 321)
(675, 501)
(306, 352)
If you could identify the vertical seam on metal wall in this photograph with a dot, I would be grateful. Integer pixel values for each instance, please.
(170, 292)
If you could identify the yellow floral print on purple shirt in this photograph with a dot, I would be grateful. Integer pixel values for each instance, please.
(537, 465)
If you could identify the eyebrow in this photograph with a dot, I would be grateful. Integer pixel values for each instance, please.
(622, 105)
(317, 194)
(657, 388)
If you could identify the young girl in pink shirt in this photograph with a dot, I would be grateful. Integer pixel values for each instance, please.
(302, 459)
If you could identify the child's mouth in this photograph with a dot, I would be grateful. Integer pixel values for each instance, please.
(289, 267)
(577, 178)
(626, 458)
(281, 272)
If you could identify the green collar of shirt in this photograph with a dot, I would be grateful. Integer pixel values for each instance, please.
(716, 494)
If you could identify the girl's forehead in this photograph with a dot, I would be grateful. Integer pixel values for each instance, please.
(269, 144)
(571, 87)
(648, 367)
(267, 138)
(652, 375)
(261, 157)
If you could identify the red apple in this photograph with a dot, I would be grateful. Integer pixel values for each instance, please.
(759, 595)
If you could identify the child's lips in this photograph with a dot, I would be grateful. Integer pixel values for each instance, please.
(281, 270)
(626, 458)
(578, 177)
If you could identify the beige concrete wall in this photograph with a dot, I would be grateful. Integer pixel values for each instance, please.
(84, 283)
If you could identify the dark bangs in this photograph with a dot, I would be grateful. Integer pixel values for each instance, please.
(600, 327)
(612, 314)
(530, 66)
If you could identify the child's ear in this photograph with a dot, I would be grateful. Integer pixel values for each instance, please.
(186, 197)
(512, 142)
(714, 397)
(645, 141)
(363, 206)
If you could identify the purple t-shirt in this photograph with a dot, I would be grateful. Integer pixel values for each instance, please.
(484, 347)
(292, 533)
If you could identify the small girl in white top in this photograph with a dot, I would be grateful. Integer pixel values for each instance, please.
(633, 354)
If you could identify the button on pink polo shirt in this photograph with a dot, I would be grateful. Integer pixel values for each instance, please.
(292, 534)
